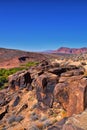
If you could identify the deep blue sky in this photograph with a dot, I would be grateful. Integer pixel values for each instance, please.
(38, 25)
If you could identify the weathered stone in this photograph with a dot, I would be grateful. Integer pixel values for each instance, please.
(58, 125)
(4, 113)
(43, 63)
(53, 84)
(63, 125)
(70, 127)
(46, 123)
(75, 72)
(35, 73)
(77, 97)
(67, 74)
(63, 79)
(25, 106)
(61, 69)
(41, 82)
(19, 80)
(11, 119)
(57, 71)
(43, 118)
(72, 94)
(33, 127)
(17, 100)
(19, 118)
(61, 94)
(4, 100)
(34, 117)
(55, 64)
(79, 121)
(45, 85)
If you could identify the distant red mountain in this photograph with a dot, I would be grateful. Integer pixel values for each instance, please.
(70, 50)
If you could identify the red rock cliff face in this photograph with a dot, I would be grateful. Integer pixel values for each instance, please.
(71, 50)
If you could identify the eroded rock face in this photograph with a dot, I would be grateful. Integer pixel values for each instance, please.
(16, 101)
(20, 80)
(69, 90)
(4, 113)
(58, 91)
(65, 85)
(64, 124)
(61, 94)
(44, 89)
(64, 127)
(72, 94)
(4, 100)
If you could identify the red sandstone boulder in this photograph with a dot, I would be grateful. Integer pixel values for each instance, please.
(72, 94)
(44, 88)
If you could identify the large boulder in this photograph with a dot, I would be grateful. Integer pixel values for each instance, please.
(45, 84)
(61, 94)
(72, 94)
(61, 69)
(20, 80)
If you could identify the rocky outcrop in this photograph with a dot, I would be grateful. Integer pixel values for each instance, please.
(61, 126)
(3, 113)
(43, 95)
(65, 85)
(20, 80)
(71, 93)
(44, 89)
(76, 122)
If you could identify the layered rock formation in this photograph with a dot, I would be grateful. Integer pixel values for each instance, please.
(67, 50)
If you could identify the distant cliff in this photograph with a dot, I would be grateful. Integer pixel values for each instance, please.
(71, 50)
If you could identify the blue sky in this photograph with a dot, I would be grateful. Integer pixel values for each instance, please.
(37, 25)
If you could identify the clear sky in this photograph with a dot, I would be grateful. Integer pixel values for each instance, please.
(37, 25)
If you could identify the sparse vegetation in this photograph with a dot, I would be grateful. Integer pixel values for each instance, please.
(4, 73)
(29, 64)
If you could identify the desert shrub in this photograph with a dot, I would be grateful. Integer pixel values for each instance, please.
(3, 80)
(29, 64)
(4, 73)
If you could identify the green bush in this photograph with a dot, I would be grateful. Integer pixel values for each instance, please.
(29, 64)
(4, 73)
(3, 80)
